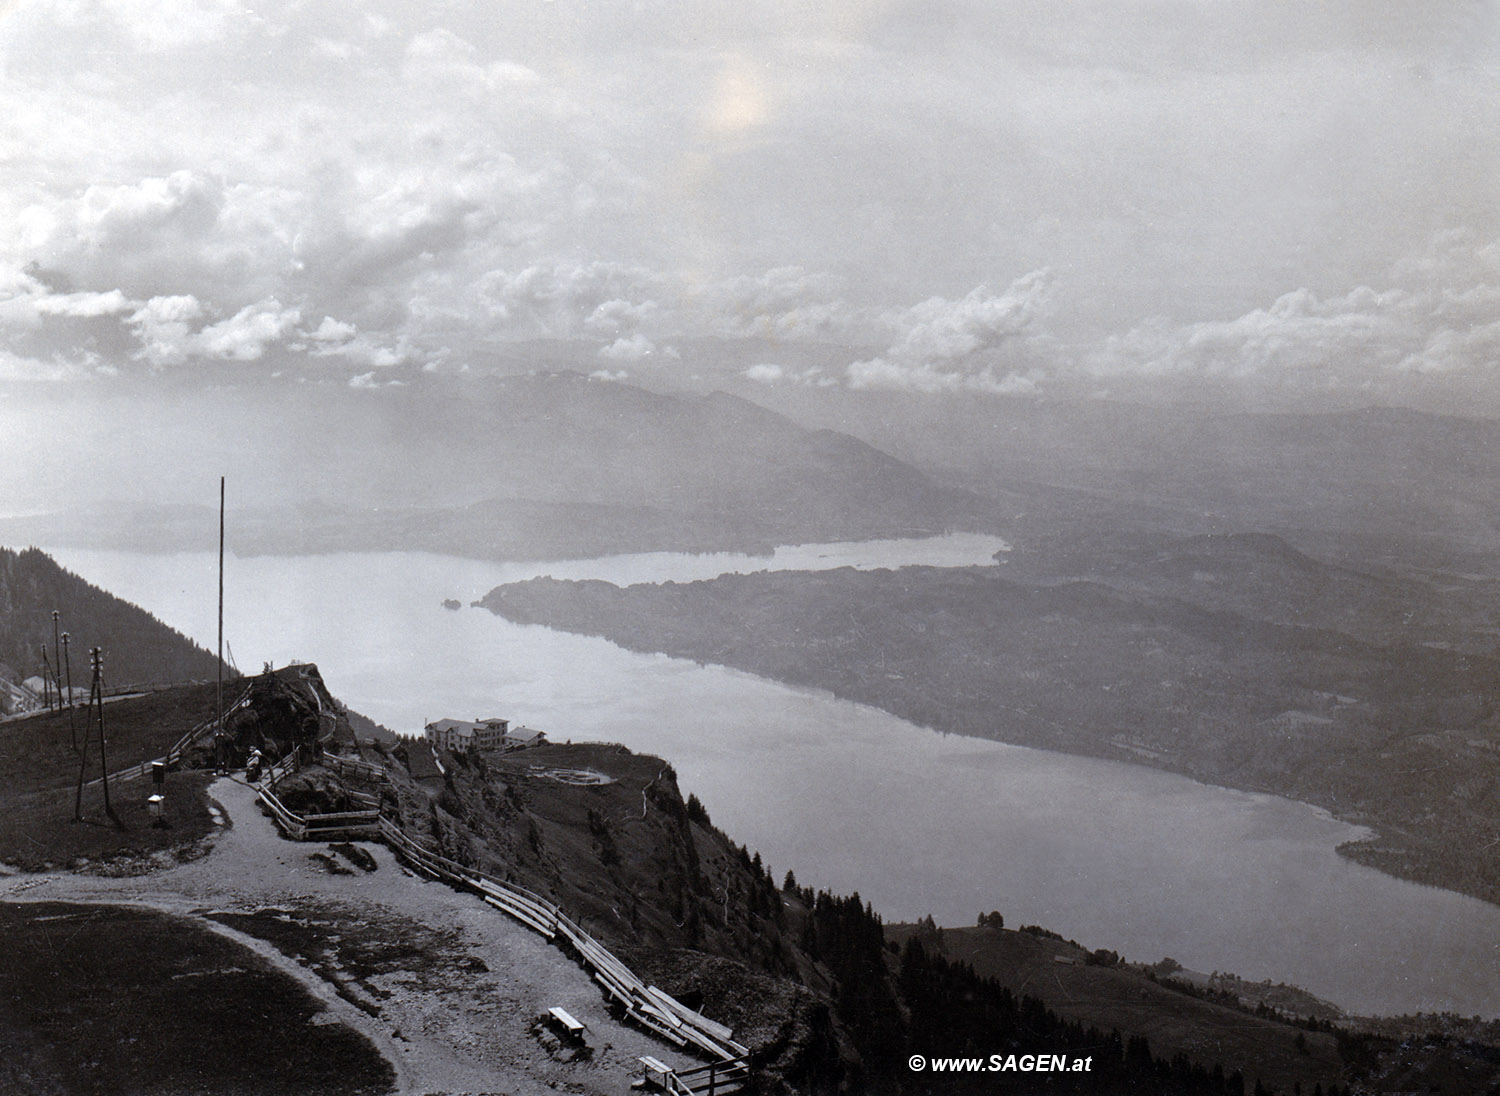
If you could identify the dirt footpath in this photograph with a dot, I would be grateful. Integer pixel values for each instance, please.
(446, 987)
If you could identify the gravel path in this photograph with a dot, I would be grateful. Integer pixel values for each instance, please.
(462, 1023)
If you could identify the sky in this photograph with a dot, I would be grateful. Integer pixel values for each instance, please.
(991, 196)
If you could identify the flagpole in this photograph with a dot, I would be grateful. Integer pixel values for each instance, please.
(219, 695)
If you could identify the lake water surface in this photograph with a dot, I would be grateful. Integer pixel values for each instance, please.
(1113, 855)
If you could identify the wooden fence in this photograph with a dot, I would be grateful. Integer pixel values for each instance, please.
(356, 767)
(714, 1079)
(648, 1006)
(173, 757)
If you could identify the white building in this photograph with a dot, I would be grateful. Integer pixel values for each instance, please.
(459, 734)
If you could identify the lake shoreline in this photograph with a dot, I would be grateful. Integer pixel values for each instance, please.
(885, 656)
(843, 793)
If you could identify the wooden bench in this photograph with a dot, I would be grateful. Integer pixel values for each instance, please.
(656, 1072)
(573, 1027)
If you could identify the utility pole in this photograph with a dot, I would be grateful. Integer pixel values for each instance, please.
(96, 656)
(46, 680)
(83, 760)
(68, 662)
(57, 654)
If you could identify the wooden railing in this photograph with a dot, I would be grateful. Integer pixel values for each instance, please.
(173, 757)
(320, 827)
(317, 827)
(648, 1006)
(356, 767)
(714, 1079)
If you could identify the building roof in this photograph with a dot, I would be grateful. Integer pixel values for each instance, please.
(454, 725)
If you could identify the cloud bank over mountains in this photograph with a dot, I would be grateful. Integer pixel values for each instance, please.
(987, 198)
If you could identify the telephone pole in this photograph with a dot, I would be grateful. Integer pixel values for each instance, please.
(57, 654)
(46, 680)
(68, 662)
(96, 656)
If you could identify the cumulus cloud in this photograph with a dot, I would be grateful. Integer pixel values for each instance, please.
(631, 303)
(787, 302)
(944, 345)
(618, 316)
(1442, 316)
(772, 373)
(178, 206)
(165, 329)
(84, 305)
(332, 331)
(339, 339)
(768, 373)
(561, 300)
(631, 349)
(26, 301)
(184, 232)
(442, 56)
(163, 326)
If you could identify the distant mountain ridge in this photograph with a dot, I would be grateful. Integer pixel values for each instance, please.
(1368, 485)
(550, 465)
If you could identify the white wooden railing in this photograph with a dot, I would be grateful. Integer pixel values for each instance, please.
(648, 1006)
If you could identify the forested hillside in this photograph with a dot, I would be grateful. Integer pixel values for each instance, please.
(1399, 735)
(138, 647)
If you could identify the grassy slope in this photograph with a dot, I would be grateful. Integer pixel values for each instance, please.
(180, 1010)
(690, 912)
(39, 774)
(685, 906)
(1125, 1000)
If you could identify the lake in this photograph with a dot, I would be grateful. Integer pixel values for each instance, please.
(1145, 863)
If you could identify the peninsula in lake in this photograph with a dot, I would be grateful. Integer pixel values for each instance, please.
(1164, 657)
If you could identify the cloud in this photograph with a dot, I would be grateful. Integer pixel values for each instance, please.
(164, 327)
(333, 331)
(618, 316)
(631, 349)
(337, 338)
(27, 302)
(438, 180)
(19, 367)
(786, 302)
(443, 57)
(945, 345)
(1439, 317)
(245, 335)
(184, 232)
(84, 305)
(562, 301)
(772, 373)
(766, 373)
